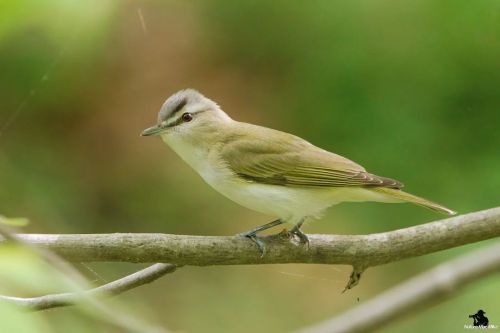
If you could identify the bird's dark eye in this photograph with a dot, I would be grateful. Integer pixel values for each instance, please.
(187, 117)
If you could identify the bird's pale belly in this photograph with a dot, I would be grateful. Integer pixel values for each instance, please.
(278, 201)
(290, 203)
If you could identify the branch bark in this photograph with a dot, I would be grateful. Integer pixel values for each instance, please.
(361, 251)
(430, 287)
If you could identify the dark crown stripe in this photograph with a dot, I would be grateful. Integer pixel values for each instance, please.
(179, 106)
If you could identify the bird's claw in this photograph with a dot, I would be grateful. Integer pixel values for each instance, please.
(303, 239)
(257, 240)
(261, 244)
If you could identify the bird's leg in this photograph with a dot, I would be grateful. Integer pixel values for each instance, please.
(297, 232)
(252, 234)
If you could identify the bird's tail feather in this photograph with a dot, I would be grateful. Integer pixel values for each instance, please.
(398, 194)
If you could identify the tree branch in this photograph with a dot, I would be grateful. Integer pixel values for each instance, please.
(360, 251)
(430, 287)
(357, 250)
(113, 288)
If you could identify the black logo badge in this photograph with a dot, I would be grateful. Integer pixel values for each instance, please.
(480, 319)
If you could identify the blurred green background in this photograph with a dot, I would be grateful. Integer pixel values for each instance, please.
(409, 89)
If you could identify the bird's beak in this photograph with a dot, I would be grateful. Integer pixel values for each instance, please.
(155, 130)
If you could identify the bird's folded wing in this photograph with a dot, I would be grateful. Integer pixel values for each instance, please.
(296, 164)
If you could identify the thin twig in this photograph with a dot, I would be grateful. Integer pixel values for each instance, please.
(113, 288)
(430, 287)
(109, 314)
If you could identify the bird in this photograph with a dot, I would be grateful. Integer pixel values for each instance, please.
(266, 170)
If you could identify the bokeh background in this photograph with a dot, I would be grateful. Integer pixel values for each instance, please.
(409, 89)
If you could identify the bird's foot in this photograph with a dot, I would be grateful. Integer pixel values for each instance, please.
(252, 234)
(303, 239)
(261, 244)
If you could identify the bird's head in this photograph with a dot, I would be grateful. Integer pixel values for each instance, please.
(188, 114)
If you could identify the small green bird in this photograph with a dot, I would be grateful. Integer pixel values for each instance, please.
(269, 171)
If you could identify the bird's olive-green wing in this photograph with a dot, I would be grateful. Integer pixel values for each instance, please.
(291, 161)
